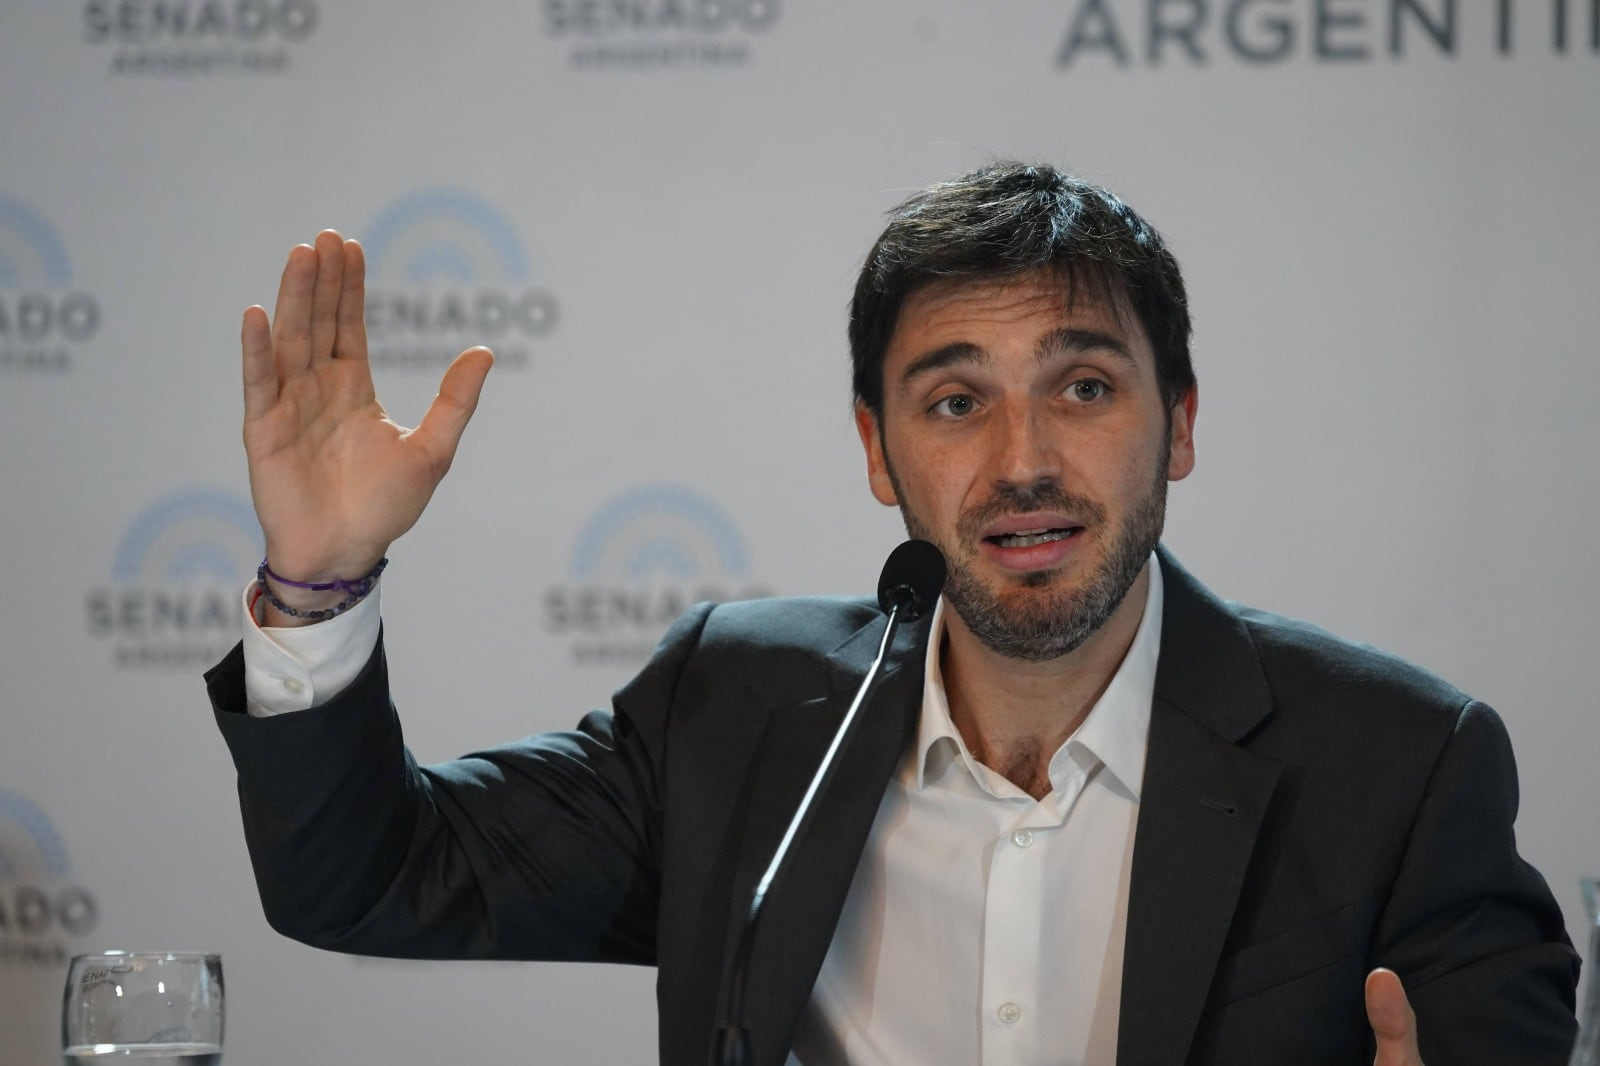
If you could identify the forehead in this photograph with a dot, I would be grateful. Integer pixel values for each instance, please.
(995, 313)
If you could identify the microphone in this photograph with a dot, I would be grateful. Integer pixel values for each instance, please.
(910, 584)
(912, 579)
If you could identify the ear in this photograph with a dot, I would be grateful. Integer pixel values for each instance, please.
(1180, 459)
(877, 462)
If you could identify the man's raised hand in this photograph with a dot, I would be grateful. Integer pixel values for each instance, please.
(333, 479)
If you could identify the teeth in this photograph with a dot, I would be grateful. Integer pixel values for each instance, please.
(1029, 538)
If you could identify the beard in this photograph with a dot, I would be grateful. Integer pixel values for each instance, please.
(1043, 620)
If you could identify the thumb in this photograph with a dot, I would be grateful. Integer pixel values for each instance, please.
(1393, 1022)
(441, 428)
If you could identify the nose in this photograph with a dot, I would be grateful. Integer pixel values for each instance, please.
(1024, 454)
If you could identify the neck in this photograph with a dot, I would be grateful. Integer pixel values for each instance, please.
(1014, 715)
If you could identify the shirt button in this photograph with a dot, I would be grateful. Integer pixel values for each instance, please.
(1022, 838)
(1009, 1013)
(292, 686)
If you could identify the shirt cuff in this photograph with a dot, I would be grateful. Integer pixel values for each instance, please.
(294, 668)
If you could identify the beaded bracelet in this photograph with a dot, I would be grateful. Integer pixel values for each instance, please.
(355, 591)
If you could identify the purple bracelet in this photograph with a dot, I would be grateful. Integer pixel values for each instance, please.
(363, 584)
(355, 591)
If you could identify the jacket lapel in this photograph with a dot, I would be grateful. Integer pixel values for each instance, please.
(1201, 807)
(803, 907)
(1200, 810)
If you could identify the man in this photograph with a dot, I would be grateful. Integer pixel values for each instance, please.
(1095, 815)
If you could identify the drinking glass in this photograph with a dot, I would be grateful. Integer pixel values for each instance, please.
(1587, 1050)
(162, 1009)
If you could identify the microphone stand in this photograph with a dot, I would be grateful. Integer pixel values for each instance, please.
(732, 1044)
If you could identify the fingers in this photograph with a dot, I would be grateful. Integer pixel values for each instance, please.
(351, 339)
(291, 318)
(326, 292)
(311, 309)
(1392, 1019)
(260, 372)
(441, 428)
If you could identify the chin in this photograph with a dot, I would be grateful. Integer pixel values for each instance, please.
(1038, 579)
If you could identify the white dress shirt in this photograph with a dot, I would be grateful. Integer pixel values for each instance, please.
(982, 926)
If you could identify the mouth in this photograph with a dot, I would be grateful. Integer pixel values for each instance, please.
(1028, 538)
(1033, 542)
(1028, 528)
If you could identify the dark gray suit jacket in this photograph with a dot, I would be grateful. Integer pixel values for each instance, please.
(1311, 808)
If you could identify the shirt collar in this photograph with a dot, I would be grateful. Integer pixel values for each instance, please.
(1114, 732)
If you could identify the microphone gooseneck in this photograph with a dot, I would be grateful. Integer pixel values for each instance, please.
(910, 584)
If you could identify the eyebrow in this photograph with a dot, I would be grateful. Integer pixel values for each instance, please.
(954, 354)
(1061, 341)
(1056, 342)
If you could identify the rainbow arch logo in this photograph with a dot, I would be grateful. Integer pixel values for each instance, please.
(29, 843)
(443, 235)
(190, 535)
(32, 254)
(659, 532)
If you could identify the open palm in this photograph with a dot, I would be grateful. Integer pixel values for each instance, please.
(333, 478)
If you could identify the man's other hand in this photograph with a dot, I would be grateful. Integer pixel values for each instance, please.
(1393, 1021)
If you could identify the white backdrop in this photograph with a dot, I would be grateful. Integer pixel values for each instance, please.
(654, 211)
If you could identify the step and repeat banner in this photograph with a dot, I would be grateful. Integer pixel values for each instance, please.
(653, 211)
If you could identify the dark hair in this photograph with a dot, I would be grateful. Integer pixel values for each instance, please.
(1009, 218)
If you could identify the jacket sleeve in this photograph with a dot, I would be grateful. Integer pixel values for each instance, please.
(1471, 928)
(542, 849)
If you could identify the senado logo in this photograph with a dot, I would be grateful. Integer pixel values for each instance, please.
(40, 907)
(640, 561)
(634, 34)
(1153, 33)
(43, 318)
(190, 38)
(177, 578)
(446, 271)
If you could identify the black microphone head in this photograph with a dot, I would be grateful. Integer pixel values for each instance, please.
(912, 578)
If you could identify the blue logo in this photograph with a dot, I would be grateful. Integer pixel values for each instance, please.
(450, 271)
(179, 573)
(190, 535)
(446, 235)
(32, 254)
(29, 843)
(640, 561)
(40, 316)
(659, 532)
(37, 905)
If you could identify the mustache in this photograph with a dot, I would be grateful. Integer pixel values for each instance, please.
(1040, 496)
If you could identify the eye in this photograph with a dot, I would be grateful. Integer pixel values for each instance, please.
(1087, 390)
(958, 405)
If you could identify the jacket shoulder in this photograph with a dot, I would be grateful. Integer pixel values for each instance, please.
(1307, 666)
(781, 643)
(787, 623)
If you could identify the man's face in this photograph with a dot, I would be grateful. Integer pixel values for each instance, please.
(1028, 439)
